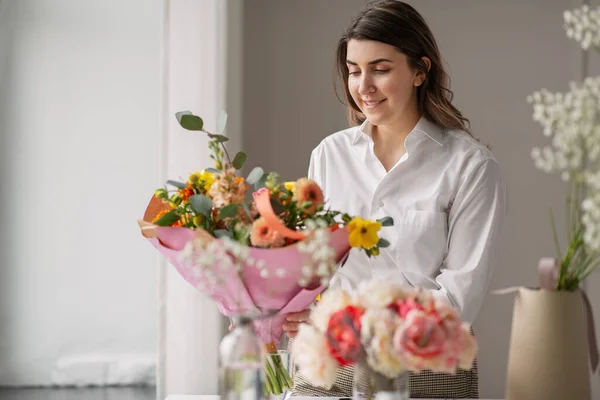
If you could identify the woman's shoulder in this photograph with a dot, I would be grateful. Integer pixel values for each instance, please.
(465, 145)
(338, 140)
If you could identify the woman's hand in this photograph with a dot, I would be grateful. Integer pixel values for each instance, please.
(293, 321)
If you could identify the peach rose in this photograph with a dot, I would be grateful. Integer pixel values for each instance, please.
(421, 341)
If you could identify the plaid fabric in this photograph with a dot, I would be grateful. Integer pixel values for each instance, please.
(464, 384)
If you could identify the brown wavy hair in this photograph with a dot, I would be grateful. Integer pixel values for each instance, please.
(400, 25)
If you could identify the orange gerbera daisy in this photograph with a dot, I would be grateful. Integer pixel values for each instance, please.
(262, 235)
(307, 190)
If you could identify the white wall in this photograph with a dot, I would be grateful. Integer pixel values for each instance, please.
(201, 71)
(79, 152)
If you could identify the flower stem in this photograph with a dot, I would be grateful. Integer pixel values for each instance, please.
(555, 235)
(589, 269)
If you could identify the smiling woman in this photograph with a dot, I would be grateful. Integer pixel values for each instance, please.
(409, 154)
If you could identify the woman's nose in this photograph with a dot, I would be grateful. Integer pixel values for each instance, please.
(366, 85)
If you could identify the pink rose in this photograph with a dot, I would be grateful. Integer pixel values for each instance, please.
(421, 335)
(422, 341)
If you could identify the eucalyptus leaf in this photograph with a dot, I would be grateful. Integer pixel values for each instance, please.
(189, 121)
(255, 175)
(168, 219)
(222, 122)
(246, 210)
(229, 211)
(219, 138)
(219, 233)
(261, 183)
(201, 204)
(239, 160)
(180, 114)
(386, 221)
(177, 184)
(383, 243)
(212, 170)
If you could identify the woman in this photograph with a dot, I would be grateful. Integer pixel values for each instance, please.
(409, 155)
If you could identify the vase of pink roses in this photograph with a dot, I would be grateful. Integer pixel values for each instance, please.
(386, 331)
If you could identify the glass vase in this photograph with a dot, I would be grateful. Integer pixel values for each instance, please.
(278, 371)
(369, 384)
(241, 361)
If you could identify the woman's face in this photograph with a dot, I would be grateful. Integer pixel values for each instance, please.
(381, 82)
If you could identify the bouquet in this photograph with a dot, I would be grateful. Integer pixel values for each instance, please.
(389, 328)
(266, 252)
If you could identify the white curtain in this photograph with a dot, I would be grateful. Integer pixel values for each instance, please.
(197, 65)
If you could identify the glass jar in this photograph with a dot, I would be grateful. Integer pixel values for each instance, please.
(369, 384)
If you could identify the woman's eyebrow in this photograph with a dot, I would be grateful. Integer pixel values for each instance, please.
(379, 60)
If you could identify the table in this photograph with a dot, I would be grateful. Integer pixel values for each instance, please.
(213, 397)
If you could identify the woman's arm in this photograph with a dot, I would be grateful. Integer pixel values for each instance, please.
(475, 225)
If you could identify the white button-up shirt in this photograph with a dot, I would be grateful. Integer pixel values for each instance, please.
(448, 203)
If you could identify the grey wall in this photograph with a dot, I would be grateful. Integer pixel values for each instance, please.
(497, 53)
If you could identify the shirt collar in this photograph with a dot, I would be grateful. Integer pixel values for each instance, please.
(424, 126)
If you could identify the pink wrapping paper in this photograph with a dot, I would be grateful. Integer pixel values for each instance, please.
(247, 292)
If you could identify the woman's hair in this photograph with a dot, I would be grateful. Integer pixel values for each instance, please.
(400, 25)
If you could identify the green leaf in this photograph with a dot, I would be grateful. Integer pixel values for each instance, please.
(346, 218)
(222, 122)
(218, 138)
(168, 219)
(201, 204)
(383, 243)
(219, 233)
(255, 175)
(306, 204)
(189, 121)
(278, 208)
(239, 160)
(229, 211)
(177, 184)
(386, 221)
(212, 170)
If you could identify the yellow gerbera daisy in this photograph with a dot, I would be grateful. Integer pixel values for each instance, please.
(363, 233)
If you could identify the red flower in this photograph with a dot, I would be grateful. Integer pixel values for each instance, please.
(343, 335)
(402, 307)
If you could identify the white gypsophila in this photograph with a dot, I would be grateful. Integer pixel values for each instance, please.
(320, 257)
(312, 356)
(583, 25)
(379, 293)
(200, 256)
(204, 258)
(378, 326)
(591, 221)
(331, 301)
(572, 120)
